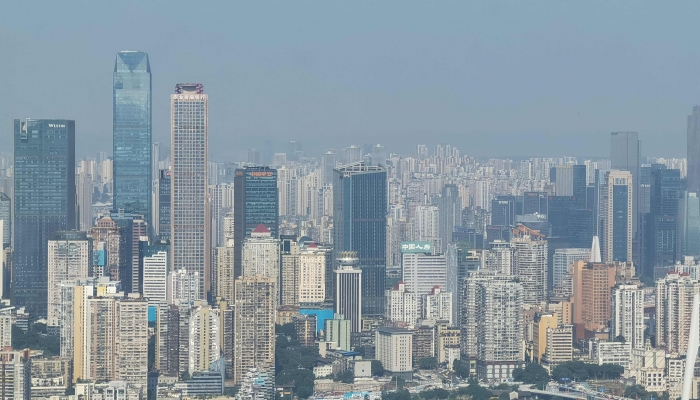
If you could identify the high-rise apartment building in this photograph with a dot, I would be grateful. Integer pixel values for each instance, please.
(114, 261)
(110, 337)
(15, 375)
(205, 337)
(426, 225)
(130, 340)
(563, 260)
(492, 331)
(154, 267)
(256, 202)
(254, 342)
(132, 133)
(530, 267)
(402, 305)
(222, 276)
(359, 225)
(289, 291)
(348, 289)
(674, 303)
(44, 203)
(438, 306)
(421, 270)
(617, 211)
(189, 218)
(627, 319)
(693, 150)
(74, 295)
(69, 258)
(261, 256)
(312, 275)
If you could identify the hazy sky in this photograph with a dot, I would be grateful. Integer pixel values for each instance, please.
(520, 78)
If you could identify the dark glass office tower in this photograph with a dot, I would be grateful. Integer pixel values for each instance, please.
(662, 225)
(693, 148)
(164, 205)
(535, 203)
(625, 148)
(132, 133)
(579, 184)
(255, 202)
(44, 203)
(359, 225)
(503, 211)
(580, 228)
(558, 208)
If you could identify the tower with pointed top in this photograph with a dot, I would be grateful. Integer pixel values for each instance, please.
(132, 139)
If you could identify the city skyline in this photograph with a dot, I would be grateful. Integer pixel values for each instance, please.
(335, 75)
(390, 201)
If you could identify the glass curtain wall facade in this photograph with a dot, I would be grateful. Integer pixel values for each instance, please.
(44, 154)
(189, 217)
(132, 134)
(256, 201)
(359, 222)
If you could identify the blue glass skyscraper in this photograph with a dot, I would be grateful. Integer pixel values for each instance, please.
(359, 224)
(255, 202)
(132, 133)
(44, 203)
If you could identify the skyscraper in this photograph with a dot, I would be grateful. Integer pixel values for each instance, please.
(261, 256)
(359, 224)
(132, 133)
(625, 148)
(662, 222)
(164, 205)
(627, 319)
(6, 217)
(348, 290)
(69, 258)
(618, 216)
(450, 206)
(693, 150)
(256, 201)
(44, 151)
(189, 226)
(254, 341)
(530, 266)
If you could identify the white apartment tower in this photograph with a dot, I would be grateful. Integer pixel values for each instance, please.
(438, 306)
(155, 277)
(189, 217)
(628, 314)
(261, 255)
(530, 266)
(312, 275)
(402, 305)
(674, 304)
